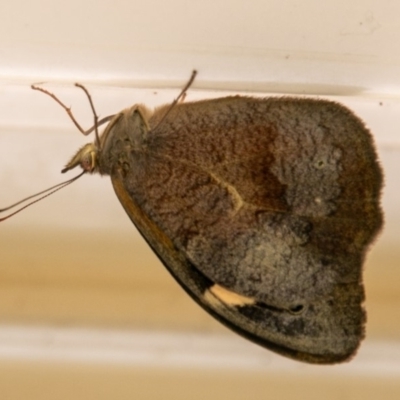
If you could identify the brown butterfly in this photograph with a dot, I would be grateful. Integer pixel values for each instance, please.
(261, 208)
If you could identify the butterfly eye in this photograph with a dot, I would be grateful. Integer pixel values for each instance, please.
(88, 161)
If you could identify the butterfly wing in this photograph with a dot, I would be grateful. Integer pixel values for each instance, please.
(262, 210)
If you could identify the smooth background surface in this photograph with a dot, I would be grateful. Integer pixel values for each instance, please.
(86, 310)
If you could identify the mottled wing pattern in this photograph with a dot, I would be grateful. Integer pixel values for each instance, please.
(262, 209)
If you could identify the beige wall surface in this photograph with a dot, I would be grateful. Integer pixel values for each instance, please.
(86, 310)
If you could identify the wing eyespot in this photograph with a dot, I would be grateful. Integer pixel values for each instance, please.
(297, 309)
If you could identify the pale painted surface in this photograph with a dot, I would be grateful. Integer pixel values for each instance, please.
(86, 311)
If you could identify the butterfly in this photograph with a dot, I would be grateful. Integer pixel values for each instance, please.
(261, 208)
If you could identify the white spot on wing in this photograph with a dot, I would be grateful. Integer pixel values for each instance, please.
(218, 294)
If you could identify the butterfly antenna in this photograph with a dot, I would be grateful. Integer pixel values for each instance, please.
(45, 194)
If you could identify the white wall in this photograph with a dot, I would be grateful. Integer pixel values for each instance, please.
(69, 260)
